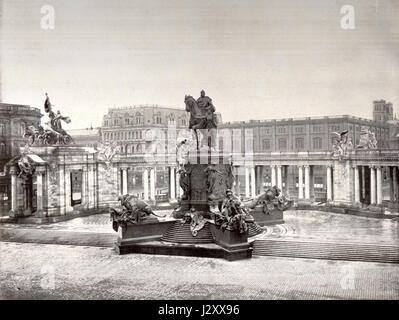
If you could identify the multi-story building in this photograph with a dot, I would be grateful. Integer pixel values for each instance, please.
(89, 137)
(304, 134)
(129, 127)
(14, 118)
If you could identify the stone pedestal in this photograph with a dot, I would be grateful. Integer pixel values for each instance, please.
(343, 183)
(150, 230)
(235, 244)
(263, 219)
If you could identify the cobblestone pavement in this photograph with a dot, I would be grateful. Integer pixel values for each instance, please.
(37, 271)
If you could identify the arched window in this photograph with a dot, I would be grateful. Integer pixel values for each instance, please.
(2, 129)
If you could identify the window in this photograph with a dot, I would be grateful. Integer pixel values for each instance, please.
(158, 118)
(265, 144)
(335, 127)
(317, 143)
(281, 129)
(317, 128)
(106, 123)
(126, 120)
(282, 143)
(299, 143)
(265, 130)
(299, 130)
(139, 119)
(23, 127)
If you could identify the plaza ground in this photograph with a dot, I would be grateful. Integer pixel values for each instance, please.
(98, 273)
(74, 260)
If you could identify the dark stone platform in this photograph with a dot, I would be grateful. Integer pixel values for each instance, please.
(263, 219)
(172, 237)
(209, 250)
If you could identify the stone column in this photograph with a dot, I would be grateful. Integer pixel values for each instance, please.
(279, 178)
(307, 182)
(273, 173)
(178, 193)
(14, 192)
(373, 196)
(237, 181)
(357, 184)
(329, 183)
(172, 187)
(247, 194)
(395, 183)
(390, 180)
(124, 181)
(379, 185)
(62, 190)
(39, 193)
(253, 183)
(90, 187)
(145, 184)
(152, 184)
(68, 191)
(300, 182)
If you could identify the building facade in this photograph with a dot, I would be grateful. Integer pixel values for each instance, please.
(130, 128)
(14, 118)
(89, 137)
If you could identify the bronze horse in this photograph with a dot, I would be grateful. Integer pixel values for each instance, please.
(199, 118)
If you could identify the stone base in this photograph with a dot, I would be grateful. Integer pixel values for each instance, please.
(264, 219)
(146, 237)
(149, 230)
(209, 250)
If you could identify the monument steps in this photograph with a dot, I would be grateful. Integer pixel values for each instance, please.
(329, 250)
(254, 229)
(181, 233)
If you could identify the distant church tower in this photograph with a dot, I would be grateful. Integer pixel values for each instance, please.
(382, 111)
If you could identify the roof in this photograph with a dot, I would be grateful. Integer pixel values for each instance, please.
(84, 132)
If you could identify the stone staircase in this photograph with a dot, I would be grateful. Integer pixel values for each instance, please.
(181, 233)
(366, 252)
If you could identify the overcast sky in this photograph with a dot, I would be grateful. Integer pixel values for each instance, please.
(255, 59)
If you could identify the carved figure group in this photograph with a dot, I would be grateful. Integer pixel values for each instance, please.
(271, 198)
(367, 140)
(234, 215)
(342, 145)
(52, 132)
(134, 210)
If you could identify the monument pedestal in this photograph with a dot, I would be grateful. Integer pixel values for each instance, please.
(274, 216)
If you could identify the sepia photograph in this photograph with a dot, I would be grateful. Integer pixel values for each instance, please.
(202, 154)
